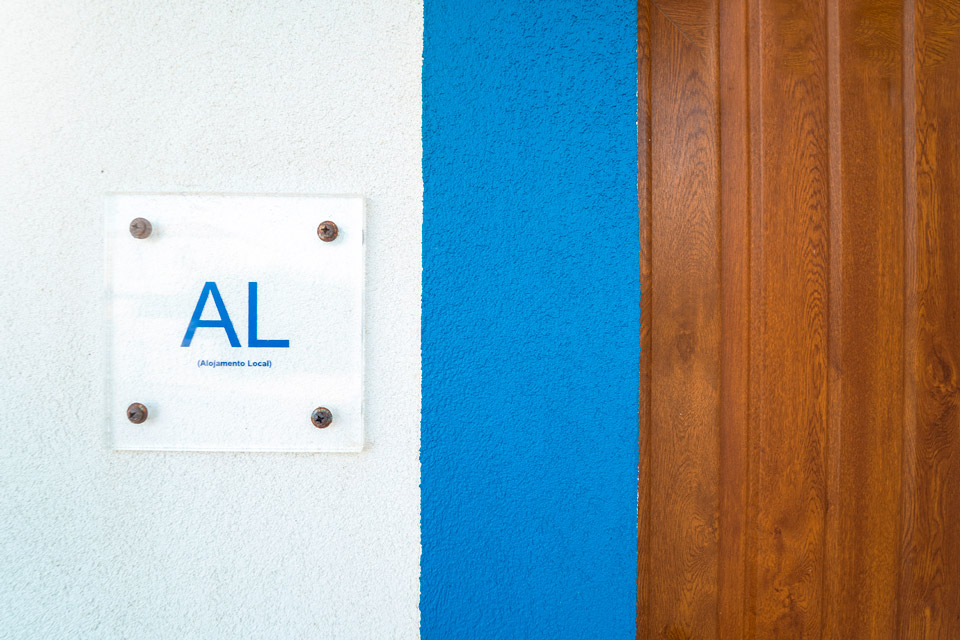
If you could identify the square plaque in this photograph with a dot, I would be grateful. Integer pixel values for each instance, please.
(232, 319)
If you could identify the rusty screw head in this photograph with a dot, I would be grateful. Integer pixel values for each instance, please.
(136, 413)
(327, 231)
(321, 417)
(140, 228)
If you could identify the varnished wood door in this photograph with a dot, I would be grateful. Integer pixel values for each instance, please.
(800, 230)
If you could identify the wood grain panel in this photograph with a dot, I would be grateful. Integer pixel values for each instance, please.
(791, 298)
(800, 265)
(685, 338)
(930, 598)
(867, 287)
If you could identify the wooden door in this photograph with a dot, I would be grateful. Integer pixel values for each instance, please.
(800, 230)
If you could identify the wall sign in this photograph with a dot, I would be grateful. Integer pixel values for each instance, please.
(236, 322)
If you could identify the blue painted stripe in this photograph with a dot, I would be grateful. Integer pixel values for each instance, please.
(531, 320)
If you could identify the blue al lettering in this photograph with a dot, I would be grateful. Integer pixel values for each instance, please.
(224, 322)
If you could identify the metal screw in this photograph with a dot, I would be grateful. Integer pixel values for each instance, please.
(140, 228)
(321, 417)
(327, 231)
(136, 413)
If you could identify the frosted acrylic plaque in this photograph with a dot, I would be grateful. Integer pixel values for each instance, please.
(231, 321)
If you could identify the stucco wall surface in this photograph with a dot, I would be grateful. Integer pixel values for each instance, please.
(265, 97)
(531, 320)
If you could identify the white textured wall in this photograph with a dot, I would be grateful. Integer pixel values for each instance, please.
(284, 96)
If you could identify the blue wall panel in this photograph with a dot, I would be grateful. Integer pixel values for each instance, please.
(531, 320)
